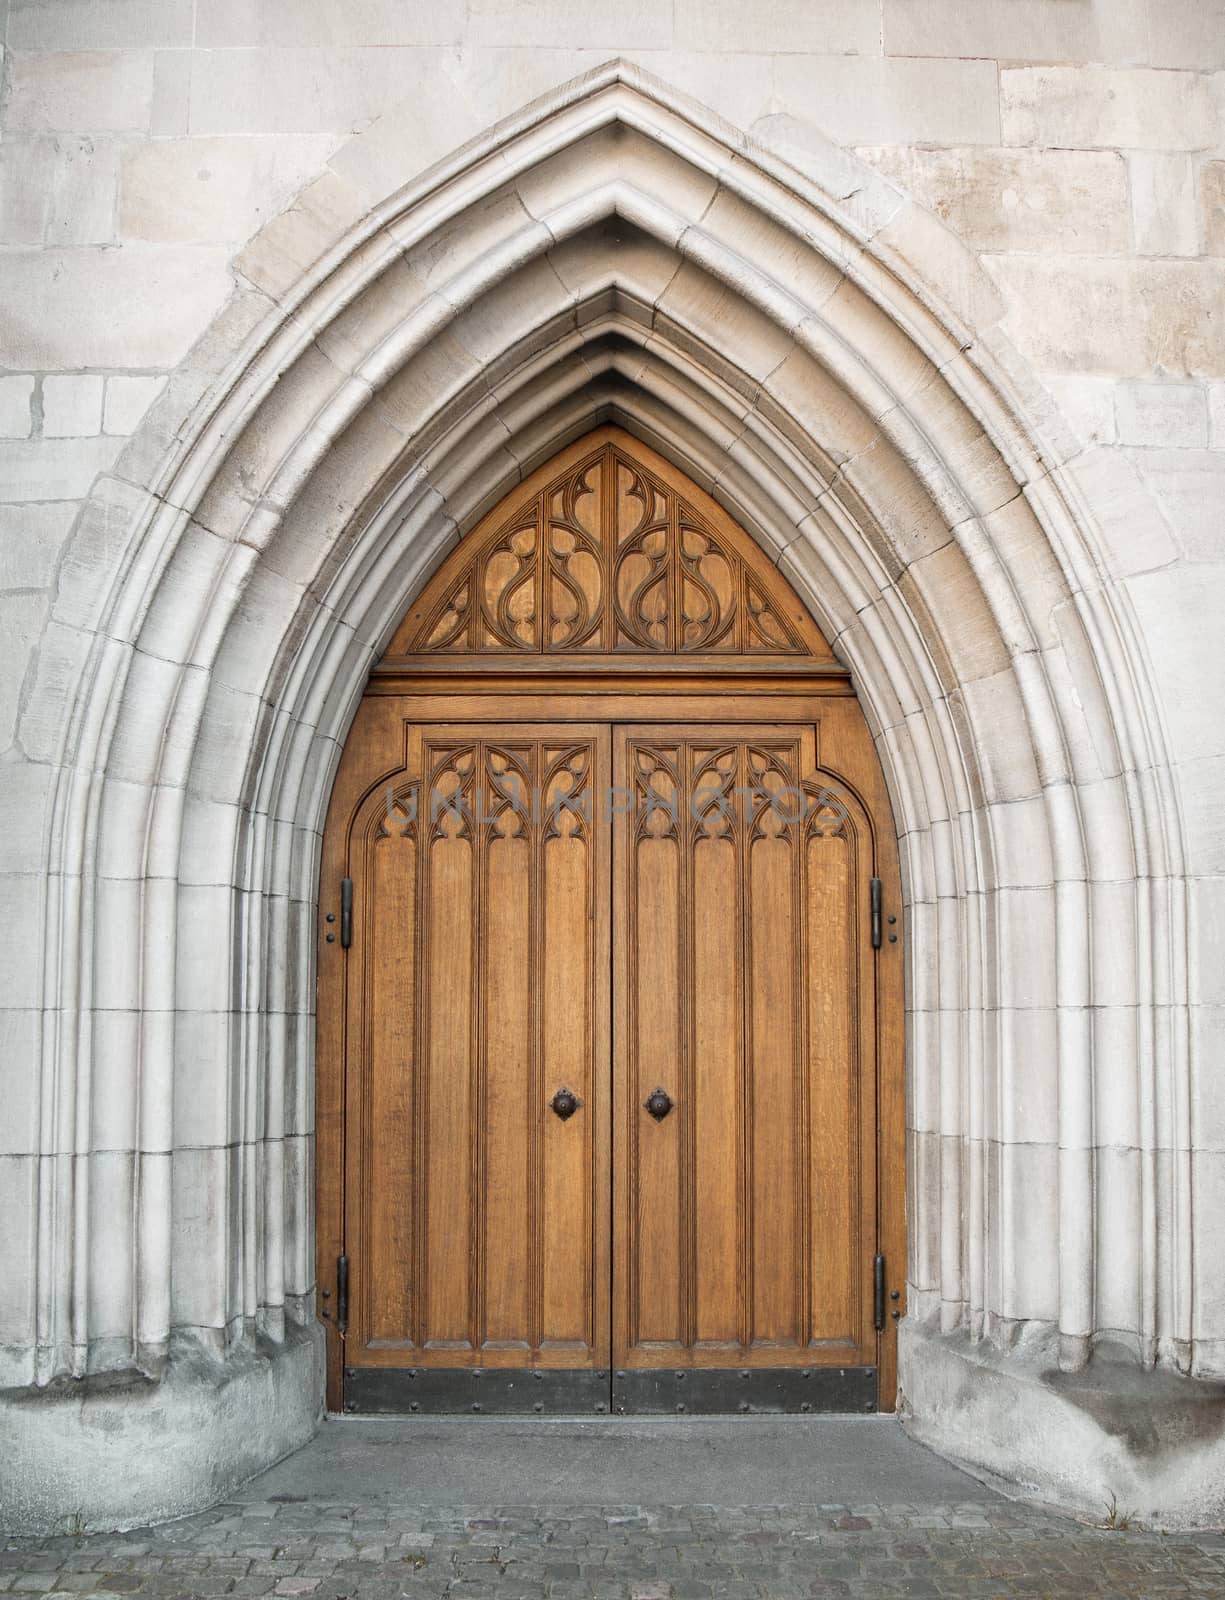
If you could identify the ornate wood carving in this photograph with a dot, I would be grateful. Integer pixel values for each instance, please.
(608, 624)
(742, 1220)
(477, 1221)
(611, 556)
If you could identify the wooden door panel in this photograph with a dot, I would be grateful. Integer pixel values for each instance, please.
(744, 1220)
(476, 1219)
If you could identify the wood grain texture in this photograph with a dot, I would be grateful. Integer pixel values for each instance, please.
(492, 945)
(745, 1220)
(608, 551)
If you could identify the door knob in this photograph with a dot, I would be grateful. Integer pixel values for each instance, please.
(565, 1104)
(658, 1103)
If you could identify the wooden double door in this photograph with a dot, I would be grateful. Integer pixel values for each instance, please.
(609, 1067)
(608, 999)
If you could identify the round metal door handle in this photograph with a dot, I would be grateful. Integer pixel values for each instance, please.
(565, 1103)
(658, 1103)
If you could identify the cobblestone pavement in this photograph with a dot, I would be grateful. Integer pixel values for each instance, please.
(288, 1545)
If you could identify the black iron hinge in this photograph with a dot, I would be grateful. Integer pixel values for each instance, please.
(876, 929)
(342, 1292)
(878, 1292)
(346, 913)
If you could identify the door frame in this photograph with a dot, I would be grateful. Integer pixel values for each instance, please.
(432, 691)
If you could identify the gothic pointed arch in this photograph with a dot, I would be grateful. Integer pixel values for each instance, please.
(836, 371)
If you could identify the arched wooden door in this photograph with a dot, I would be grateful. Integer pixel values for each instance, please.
(610, 1082)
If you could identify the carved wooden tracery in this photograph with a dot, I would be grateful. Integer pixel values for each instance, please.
(608, 558)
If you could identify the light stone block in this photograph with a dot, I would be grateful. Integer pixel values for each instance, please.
(1209, 1179)
(1065, 200)
(91, 308)
(1174, 33)
(1212, 207)
(1162, 415)
(1029, 1210)
(1120, 1227)
(1216, 415)
(1207, 1078)
(201, 1178)
(98, 24)
(1116, 1091)
(20, 897)
(112, 1196)
(1021, 844)
(864, 196)
(117, 956)
(306, 91)
(25, 792)
(1010, 30)
(944, 589)
(88, 91)
(1092, 107)
(127, 400)
(205, 191)
(57, 190)
(82, 183)
(1116, 960)
(1029, 1056)
(72, 405)
(837, 27)
(228, 24)
(1189, 487)
(1206, 940)
(53, 469)
(283, 251)
(19, 1081)
(996, 714)
(632, 25)
(1088, 405)
(19, 1207)
(171, 105)
(31, 538)
(16, 393)
(1129, 318)
(1200, 782)
(207, 1110)
(1163, 203)
(1179, 610)
(738, 86)
(25, 189)
(1134, 535)
(876, 100)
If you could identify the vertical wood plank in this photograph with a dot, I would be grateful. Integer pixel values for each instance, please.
(388, 906)
(567, 981)
(655, 1223)
(510, 1111)
(834, 1078)
(718, 1065)
(771, 964)
(448, 961)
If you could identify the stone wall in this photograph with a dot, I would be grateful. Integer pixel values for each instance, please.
(1034, 193)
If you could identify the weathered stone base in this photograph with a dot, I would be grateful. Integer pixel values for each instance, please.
(1150, 1443)
(102, 1457)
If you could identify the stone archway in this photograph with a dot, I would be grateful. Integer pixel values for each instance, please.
(384, 373)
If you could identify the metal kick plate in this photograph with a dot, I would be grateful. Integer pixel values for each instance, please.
(443, 1391)
(708, 1391)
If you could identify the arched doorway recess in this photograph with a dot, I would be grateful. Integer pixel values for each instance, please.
(808, 344)
(611, 1110)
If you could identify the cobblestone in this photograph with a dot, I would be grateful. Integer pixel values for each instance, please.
(397, 1551)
